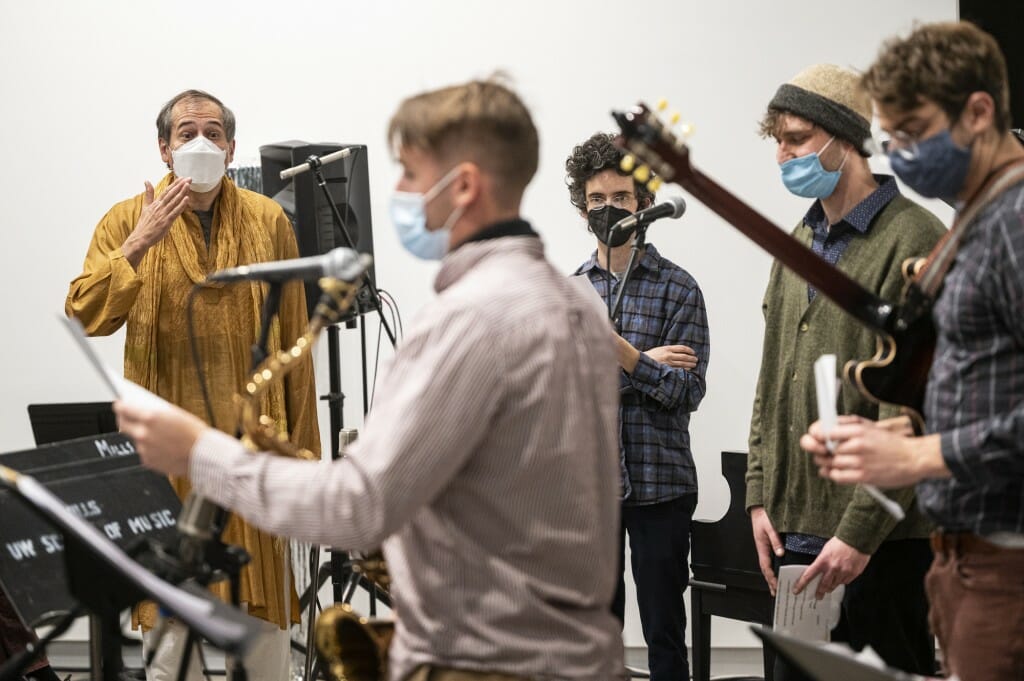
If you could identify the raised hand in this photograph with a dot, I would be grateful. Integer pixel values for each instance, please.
(156, 218)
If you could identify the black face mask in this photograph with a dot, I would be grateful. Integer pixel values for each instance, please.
(601, 221)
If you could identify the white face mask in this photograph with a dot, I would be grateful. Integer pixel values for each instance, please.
(202, 160)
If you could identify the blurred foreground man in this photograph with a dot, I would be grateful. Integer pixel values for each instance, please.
(489, 463)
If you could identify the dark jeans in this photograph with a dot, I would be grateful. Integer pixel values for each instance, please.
(659, 541)
(885, 607)
(977, 596)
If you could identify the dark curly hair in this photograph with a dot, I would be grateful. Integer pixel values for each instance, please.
(590, 158)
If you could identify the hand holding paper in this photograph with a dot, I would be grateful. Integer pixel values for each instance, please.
(803, 615)
(826, 386)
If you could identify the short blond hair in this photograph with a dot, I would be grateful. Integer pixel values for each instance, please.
(481, 121)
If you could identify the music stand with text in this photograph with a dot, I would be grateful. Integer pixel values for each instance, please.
(105, 580)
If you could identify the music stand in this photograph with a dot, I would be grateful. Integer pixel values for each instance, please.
(826, 662)
(105, 580)
(70, 420)
(58, 422)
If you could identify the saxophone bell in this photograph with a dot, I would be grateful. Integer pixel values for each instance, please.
(353, 647)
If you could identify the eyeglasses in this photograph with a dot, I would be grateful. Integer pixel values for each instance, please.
(903, 143)
(898, 142)
(624, 200)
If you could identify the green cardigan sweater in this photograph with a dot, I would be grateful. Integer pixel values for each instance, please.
(781, 476)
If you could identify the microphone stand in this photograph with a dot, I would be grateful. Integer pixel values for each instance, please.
(639, 241)
(343, 578)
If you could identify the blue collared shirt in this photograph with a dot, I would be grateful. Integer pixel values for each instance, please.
(662, 305)
(830, 241)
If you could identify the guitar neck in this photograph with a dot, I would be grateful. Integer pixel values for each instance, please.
(844, 291)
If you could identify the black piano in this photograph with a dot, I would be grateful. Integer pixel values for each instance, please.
(727, 581)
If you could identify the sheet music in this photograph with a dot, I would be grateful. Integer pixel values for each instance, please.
(827, 388)
(802, 615)
(120, 387)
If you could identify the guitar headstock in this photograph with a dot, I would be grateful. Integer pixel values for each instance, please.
(656, 149)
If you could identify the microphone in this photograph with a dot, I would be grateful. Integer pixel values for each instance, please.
(200, 522)
(317, 161)
(338, 263)
(673, 208)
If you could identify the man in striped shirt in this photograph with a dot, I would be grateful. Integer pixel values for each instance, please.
(488, 465)
(942, 95)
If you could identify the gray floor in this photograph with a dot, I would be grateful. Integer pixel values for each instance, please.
(73, 655)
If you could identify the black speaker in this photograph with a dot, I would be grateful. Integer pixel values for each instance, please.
(348, 183)
(1004, 19)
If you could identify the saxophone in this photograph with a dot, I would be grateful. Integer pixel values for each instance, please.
(260, 431)
(353, 647)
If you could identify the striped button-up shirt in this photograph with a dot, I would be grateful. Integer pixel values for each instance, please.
(975, 395)
(662, 305)
(489, 462)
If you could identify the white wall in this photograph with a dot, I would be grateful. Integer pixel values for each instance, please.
(83, 81)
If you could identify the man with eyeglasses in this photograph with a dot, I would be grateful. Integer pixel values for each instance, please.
(663, 349)
(942, 94)
(859, 223)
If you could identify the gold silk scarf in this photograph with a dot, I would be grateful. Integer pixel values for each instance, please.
(237, 240)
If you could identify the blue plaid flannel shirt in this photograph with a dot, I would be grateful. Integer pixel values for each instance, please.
(662, 305)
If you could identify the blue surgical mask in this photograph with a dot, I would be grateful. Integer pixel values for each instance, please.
(939, 168)
(409, 215)
(806, 177)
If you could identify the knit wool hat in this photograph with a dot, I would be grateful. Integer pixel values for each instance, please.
(830, 97)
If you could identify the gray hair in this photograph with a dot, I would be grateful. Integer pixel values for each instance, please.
(164, 122)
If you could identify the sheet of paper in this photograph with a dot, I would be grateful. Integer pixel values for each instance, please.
(802, 615)
(120, 387)
(827, 388)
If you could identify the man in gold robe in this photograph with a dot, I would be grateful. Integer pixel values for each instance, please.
(146, 255)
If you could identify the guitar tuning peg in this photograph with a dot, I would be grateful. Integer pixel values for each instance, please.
(662, 104)
(627, 163)
(654, 185)
(642, 174)
(687, 129)
(675, 117)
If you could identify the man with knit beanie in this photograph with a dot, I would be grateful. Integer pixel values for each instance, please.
(862, 225)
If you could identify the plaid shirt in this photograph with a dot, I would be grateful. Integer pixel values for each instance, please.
(662, 305)
(975, 395)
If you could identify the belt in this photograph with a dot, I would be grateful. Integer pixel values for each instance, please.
(962, 543)
(432, 673)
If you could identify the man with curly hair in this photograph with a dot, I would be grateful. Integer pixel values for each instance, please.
(662, 348)
(942, 95)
